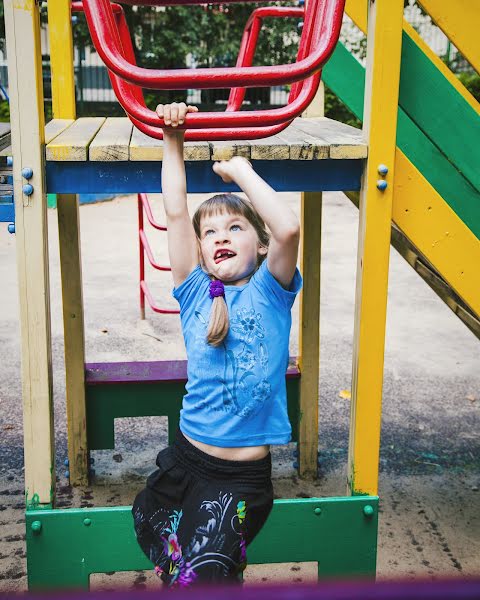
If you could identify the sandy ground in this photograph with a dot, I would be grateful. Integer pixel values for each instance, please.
(429, 467)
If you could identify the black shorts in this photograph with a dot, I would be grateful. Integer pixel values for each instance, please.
(197, 514)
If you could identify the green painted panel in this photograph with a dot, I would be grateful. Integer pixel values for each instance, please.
(346, 77)
(107, 402)
(62, 550)
(436, 107)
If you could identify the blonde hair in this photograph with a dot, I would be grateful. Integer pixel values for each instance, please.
(230, 203)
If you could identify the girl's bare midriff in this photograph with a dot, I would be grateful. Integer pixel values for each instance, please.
(245, 453)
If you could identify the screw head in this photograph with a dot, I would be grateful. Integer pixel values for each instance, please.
(36, 526)
(318, 511)
(368, 510)
(382, 169)
(27, 189)
(87, 522)
(382, 185)
(27, 172)
(11, 228)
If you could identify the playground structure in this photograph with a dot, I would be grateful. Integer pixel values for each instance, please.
(312, 155)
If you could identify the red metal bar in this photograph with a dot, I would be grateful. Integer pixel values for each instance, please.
(151, 301)
(249, 41)
(144, 248)
(143, 198)
(141, 257)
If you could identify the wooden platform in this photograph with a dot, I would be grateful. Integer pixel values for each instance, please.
(98, 154)
(115, 139)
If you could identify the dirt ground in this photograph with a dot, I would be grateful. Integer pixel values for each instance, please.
(430, 453)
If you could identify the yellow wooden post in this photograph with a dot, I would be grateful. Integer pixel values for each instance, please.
(309, 338)
(61, 59)
(22, 25)
(63, 104)
(380, 120)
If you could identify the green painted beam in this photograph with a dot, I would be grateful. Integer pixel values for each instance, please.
(439, 111)
(65, 546)
(107, 402)
(345, 76)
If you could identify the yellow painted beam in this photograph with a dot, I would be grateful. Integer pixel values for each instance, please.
(309, 332)
(61, 59)
(459, 21)
(22, 26)
(435, 229)
(357, 11)
(380, 119)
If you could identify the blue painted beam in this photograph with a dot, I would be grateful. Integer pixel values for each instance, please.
(7, 209)
(131, 177)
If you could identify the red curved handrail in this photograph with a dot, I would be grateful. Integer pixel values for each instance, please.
(319, 36)
(99, 14)
(100, 19)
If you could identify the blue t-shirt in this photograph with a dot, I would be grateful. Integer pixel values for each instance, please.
(236, 392)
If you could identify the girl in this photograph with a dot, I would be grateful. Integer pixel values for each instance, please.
(235, 283)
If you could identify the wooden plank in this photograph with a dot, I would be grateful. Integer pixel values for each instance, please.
(61, 59)
(112, 141)
(143, 147)
(309, 334)
(346, 77)
(22, 26)
(439, 234)
(73, 323)
(274, 147)
(341, 140)
(5, 137)
(55, 127)
(357, 11)
(459, 21)
(72, 144)
(225, 150)
(380, 119)
(302, 145)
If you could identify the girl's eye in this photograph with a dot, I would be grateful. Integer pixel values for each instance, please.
(208, 232)
(235, 227)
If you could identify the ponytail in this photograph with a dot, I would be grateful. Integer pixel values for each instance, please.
(219, 322)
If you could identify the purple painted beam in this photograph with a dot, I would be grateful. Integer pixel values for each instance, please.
(172, 371)
(384, 590)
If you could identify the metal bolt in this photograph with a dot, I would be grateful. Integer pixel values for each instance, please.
(87, 522)
(382, 169)
(368, 510)
(67, 474)
(27, 172)
(66, 462)
(11, 228)
(382, 185)
(318, 511)
(36, 526)
(27, 189)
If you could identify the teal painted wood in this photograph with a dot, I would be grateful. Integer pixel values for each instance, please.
(64, 551)
(107, 402)
(443, 115)
(346, 77)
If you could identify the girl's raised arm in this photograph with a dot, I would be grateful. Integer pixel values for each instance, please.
(182, 242)
(280, 219)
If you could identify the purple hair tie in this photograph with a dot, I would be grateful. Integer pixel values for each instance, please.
(216, 288)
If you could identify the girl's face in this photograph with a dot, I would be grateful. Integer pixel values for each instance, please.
(230, 247)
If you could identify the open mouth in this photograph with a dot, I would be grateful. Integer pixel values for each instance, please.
(223, 254)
